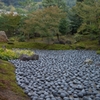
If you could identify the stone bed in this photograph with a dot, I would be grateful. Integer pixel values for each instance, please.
(60, 75)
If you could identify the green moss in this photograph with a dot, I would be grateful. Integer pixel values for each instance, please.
(7, 78)
(86, 43)
(37, 46)
(91, 45)
(98, 52)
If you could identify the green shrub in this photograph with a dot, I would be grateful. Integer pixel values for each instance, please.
(78, 37)
(21, 39)
(8, 54)
(93, 37)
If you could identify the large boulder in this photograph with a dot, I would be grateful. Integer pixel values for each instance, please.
(24, 57)
(3, 37)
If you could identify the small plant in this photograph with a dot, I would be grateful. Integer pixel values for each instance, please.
(8, 54)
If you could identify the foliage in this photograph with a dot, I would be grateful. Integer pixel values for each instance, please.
(20, 52)
(78, 37)
(75, 20)
(7, 54)
(9, 23)
(93, 37)
(21, 38)
(45, 21)
(98, 52)
(89, 11)
(64, 26)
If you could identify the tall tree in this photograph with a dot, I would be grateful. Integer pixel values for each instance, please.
(9, 23)
(45, 21)
(89, 11)
(75, 21)
(64, 26)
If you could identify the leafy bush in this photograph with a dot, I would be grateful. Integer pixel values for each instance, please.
(8, 54)
(78, 37)
(93, 37)
(21, 39)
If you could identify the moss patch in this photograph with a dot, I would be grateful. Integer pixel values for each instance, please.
(8, 81)
(98, 52)
(38, 43)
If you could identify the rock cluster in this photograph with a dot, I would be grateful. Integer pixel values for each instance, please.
(60, 75)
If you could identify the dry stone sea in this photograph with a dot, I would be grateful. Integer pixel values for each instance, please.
(60, 75)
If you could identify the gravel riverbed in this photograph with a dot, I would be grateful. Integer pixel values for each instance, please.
(60, 75)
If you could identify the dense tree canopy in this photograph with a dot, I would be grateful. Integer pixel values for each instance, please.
(45, 21)
(52, 17)
(89, 11)
(9, 23)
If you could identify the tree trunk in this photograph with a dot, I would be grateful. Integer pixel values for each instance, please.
(99, 41)
(57, 37)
